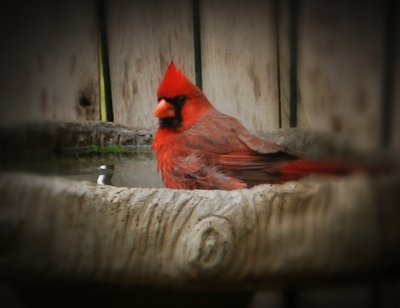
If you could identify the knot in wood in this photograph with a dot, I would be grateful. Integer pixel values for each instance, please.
(209, 246)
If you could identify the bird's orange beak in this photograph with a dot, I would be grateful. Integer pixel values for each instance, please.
(164, 110)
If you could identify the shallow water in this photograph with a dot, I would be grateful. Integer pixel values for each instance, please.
(125, 170)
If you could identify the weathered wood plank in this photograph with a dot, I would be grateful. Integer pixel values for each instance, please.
(284, 65)
(239, 55)
(395, 134)
(49, 61)
(340, 68)
(271, 235)
(144, 36)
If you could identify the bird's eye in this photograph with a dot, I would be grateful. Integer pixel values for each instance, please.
(180, 99)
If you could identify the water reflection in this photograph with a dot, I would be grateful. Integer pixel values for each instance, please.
(125, 170)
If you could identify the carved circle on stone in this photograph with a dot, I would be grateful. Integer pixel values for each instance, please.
(208, 246)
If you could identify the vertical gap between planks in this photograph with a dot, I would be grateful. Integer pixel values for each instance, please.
(104, 65)
(293, 36)
(197, 43)
(278, 66)
(389, 46)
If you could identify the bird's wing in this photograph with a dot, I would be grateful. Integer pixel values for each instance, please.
(227, 146)
(256, 144)
(219, 133)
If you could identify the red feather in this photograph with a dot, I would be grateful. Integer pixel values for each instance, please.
(175, 83)
(198, 147)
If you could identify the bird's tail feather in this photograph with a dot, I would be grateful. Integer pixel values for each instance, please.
(295, 170)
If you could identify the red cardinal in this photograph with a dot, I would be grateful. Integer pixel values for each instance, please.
(198, 147)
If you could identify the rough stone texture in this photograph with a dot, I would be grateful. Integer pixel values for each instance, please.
(320, 145)
(62, 135)
(315, 230)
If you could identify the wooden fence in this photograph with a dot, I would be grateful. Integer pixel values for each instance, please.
(322, 65)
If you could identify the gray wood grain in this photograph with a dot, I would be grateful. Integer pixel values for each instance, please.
(49, 61)
(340, 68)
(240, 62)
(144, 37)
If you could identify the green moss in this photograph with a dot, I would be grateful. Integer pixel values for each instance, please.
(107, 149)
